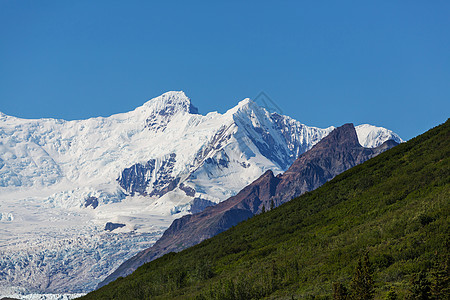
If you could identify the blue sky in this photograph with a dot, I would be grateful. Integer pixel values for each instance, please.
(322, 62)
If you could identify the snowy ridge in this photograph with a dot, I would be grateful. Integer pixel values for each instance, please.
(61, 181)
(370, 136)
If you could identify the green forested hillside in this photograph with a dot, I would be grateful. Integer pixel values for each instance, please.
(389, 215)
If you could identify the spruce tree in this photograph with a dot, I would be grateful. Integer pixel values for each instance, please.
(340, 292)
(272, 204)
(440, 283)
(391, 295)
(362, 282)
(420, 287)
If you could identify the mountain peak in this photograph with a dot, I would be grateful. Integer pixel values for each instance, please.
(372, 136)
(344, 135)
(245, 102)
(171, 103)
(246, 108)
(243, 105)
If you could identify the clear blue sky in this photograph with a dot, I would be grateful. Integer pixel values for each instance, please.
(322, 62)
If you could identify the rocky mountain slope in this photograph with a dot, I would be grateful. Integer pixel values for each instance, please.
(77, 198)
(379, 229)
(337, 152)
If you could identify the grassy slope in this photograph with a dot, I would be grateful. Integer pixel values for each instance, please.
(395, 206)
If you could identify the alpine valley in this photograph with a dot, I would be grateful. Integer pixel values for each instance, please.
(78, 198)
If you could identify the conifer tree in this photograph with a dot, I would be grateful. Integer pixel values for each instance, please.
(263, 209)
(391, 295)
(272, 204)
(340, 292)
(440, 283)
(420, 287)
(362, 282)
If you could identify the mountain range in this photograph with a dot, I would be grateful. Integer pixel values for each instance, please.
(377, 231)
(77, 198)
(334, 154)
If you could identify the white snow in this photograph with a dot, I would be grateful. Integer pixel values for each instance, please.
(371, 136)
(51, 243)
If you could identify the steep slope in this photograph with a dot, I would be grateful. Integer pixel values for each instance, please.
(394, 206)
(62, 183)
(337, 152)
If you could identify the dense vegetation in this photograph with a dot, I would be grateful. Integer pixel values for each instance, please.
(378, 230)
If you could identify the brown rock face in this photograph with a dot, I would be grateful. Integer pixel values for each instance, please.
(334, 154)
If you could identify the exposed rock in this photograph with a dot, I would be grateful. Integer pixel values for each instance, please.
(111, 226)
(139, 177)
(187, 190)
(220, 138)
(136, 178)
(199, 204)
(336, 153)
(91, 201)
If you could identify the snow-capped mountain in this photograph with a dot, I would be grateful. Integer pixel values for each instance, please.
(334, 154)
(62, 183)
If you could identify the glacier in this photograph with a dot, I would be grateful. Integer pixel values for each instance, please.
(62, 181)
